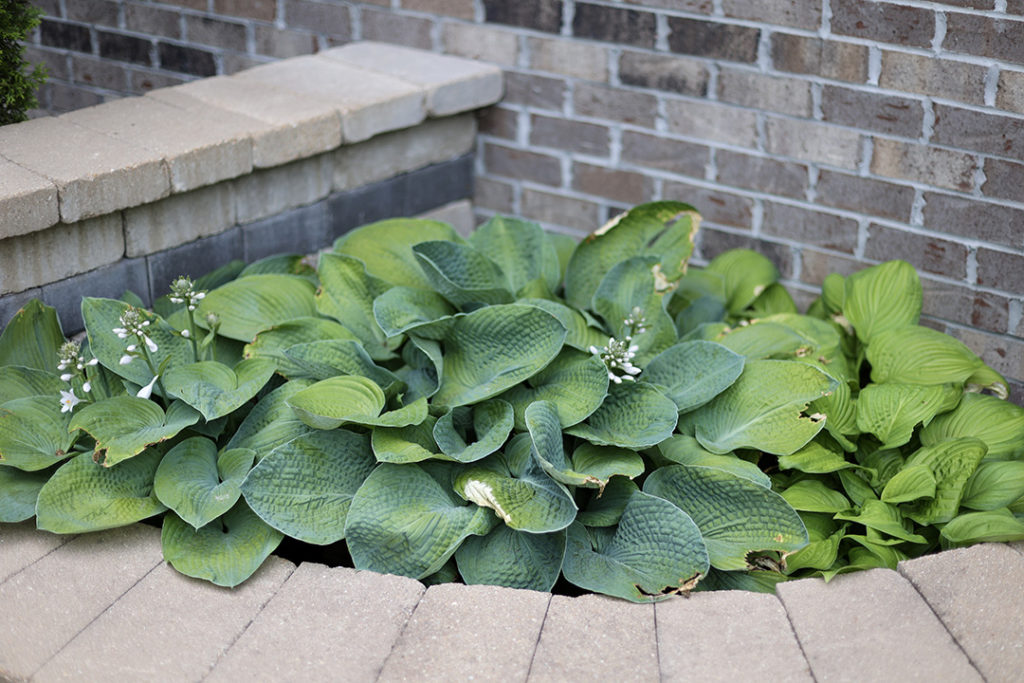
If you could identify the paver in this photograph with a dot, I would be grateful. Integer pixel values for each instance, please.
(168, 627)
(103, 174)
(976, 592)
(199, 149)
(324, 624)
(453, 84)
(48, 603)
(179, 219)
(458, 632)
(728, 635)
(28, 201)
(21, 545)
(871, 625)
(271, 191)
(594, 637)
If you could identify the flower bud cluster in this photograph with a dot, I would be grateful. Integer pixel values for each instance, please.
(183, 291)
(618, 354)
(133, 324)
(72, 365)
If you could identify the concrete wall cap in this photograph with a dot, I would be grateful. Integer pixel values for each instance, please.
(28, 201)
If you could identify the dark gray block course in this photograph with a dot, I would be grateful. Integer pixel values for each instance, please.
(193, 259)
(437, 185)
(21, 545)
(298, 231)
(12, 303)
(349, 210)
(109, 281)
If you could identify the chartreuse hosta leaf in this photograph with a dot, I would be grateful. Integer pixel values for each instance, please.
(746, 273)
(764, 409)
(506, 557)
(32, 338)
(633, 415)
(788, 336)
(521, 249)
(271, 422)
(462, 275)
(255, 303)
(18, 493)
(273, 342)
(575, 382)
(198, 483)
(883, 517)
(822, 550)
(495, 348)
(994, 526)
(921, 355)
(952, 462)
(814, 495)
(491, 421)
(655, 551)
(892, 411)
(34, 432)
(665, 230)
(346, 294)
(815, 458)
(407, 309)
(333, 357)
(994, 485)
(386, 248)
(686, 450)
(774, 300)
(83, 496)
(124, 426)
(910, 483)
(692, 373)
(735, 516)
(882, 297)
(226, 551)
(413, 443)
(216, 390)
(304, 488)
(999, 423)
(404, 521)
(630, 295)
(840, 410)
(532, 502)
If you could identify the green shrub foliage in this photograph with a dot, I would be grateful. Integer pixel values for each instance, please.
(513, 408)
(18, 82)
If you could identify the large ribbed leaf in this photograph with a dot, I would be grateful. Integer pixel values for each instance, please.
(892, 411)
(331, 402)
(815, 458)
(746, 274)
(521, 249)
(491, 422)
(840, 409)
(214, 389)
(274, 342)
(34, 432)
(506, 557)
(952, 462)
(462, 275)
(764, 408)
(575, 382)
(605, 507)
(198, 483)
(333, 357)
(494, 348)
(402, 521)
(83, 496)
(386, 248)
(18, 493)
(814, 495)
(996, 526)
(251, 304)
(304, 488)
(24, 382)
(423, 369)
(921, 355)
(32, 338)
(656, 550)
(271, 422)
(910, 483)
(999, 423)
(406, 309)
(631, 291)
(694, 372)
(882, 297)
(994, 485)
(686, 450)
(884, 518)
(605, 462)
(531, 502)
(124, 426)
(413, 443)
(346, 294)
(580, 333)
(226, 551)
(633, 415)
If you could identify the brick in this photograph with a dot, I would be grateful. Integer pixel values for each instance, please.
(142, 82)
(712, 242)
(968, 217)
(535, 91)
(215, 32)
(51, 601)
(29, 201)
(499, 122)
(110, 281)
(273, 190)
(693, 6)
(98, 72)
(933, 76)
(574, 136)
(718, 650)
(389, 27)
(712, 121)
(201, 5)
(178, 219)
(186, 60)
(56, 63)
(884, 22)
(325, 18)
(102, 12)
(392, 154)
(812, 141)
(433, 186)
(483, 43)
(616, 104)
(923, 164)
(1002, 353)
(865, 195)
(264, 10)
(771, 176)
(1001, 270)
(675, 156)
(152, 20)
(1015, 7)
(63, 97)
(986, 133)
(1009, 95)
(614, 24)
(759, 91)
(494, 195)
(1004, 179)
(124, 48)
(463, 9)
(925, 252)
(194, 259)
(540, 15)
(816, 265)
(103, 176)
(955, 303)
(1001, 39)
(888, 114)
(569, 58)
(452, 84)
(268, 40)
(812, 228)
(231, 63)
(715, 206)
(828, 58)
(663, 72)
(522, 165)
(558, 211)
(624, 186)
(797, 13)
(970, 4)
(896, 626)
(21, 544)
(713, 40)
(63, 35)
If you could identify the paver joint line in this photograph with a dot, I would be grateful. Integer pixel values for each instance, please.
(70, 537)
(398, 639)
(536, 643)
(796, 636)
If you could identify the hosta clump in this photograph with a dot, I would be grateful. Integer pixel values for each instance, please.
(513, 408)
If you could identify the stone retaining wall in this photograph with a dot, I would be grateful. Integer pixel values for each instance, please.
(281, 158)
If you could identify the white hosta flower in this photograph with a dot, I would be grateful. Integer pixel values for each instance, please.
(68, 401)
(66, 377)
(87, 387)
(147, 391)
(150, 344)
(185, 334)
(125, 359)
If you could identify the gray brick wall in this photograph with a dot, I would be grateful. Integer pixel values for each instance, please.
(828, 133)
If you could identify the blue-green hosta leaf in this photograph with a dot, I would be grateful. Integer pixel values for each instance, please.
(197, 483)
(225, 552)
(333, 357)
(746, 273)
(346, 294)
(694, 372)
(564, 246)
(764, 409)
(764, 339)
(274, 342)
(247, 306)
(655, 551)
(882, 297)
(124, 426)
(400, 445)
(462, 275)
(633, 415)
(495, 348)
(705, 309)
(34, 432)
(631, 291)
(492, 423)
(281, 264)
(402, 521)
(24, 382)
(759, 581)
(910, 483)
(735, 516)
(547, 448)
(883, 517)
(788, 336)
(271, 422)
(410, 414)
(813, 495)
(892, 411)
(423, 369)
(581, 334)
(605, 463)
(815, 458)
(506, 557)
(575, 382)
(665, 230)
(330, 403)
(216, 390)
(407, 309)
(686, 450)
(304, 488)
(994, 485)
(533, 502)
(83, 496)
(386, 248)
(994, 526)
(952, 462)
(32, 338)
(921, 355)
(999, 423)
(521, 249)
(605, 508)
(18, 493)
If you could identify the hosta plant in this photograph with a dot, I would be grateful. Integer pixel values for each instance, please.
(512, 409)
